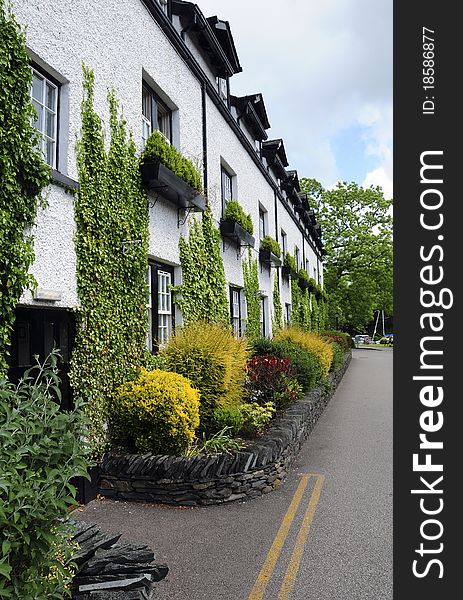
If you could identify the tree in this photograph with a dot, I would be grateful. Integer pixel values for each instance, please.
(357, 233)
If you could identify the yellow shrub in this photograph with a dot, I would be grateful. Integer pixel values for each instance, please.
(214, 361)
(311, 342)
(158, 412)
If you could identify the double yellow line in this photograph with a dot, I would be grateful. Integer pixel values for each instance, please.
(273, 554)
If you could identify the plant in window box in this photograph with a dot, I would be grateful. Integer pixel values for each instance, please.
(237, 225)
(290, 266)
(270, 251)
(164, 169)
(312, 287)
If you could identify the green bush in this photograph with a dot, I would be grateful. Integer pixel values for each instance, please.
(306, 367)
(256, 416)
(268, 243)
(235, 212)
(158, 413)
(157, 146)
(217, 443)
(226, 416)
(41, 450)
(303, 275)
(214, 361)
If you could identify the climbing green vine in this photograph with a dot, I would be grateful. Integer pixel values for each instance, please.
(23, 174)
(251, 293)
(111, 244)
(277, 320)
(202, 294)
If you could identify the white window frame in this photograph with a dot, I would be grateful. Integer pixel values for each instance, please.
(41, 121)
(159, 115)
(164, 307)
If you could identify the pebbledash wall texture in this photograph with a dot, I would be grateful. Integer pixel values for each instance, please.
(186, 61)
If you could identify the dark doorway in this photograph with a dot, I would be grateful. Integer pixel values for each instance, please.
(36, 332)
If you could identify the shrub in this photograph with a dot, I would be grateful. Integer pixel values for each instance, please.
(268, 243)
(235, 212)
(255, 416)
(338, 356)
(42, 449)
(157, 146)
(226, 416)
(306, 367)
(303, 275)
(344, 340)
(270, 379)
(158, 413)
(311, 342)
(215, 362)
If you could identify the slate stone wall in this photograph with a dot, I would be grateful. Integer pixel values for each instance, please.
(201, 480)
(110, 570)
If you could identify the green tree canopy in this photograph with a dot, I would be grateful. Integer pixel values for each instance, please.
(357, 232)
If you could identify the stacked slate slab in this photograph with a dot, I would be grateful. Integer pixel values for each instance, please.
(110, 570)
(256, 469)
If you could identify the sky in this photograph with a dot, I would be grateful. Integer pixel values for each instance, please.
(324, 68)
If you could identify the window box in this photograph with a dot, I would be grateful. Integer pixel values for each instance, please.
(289, 273)
(267, 257)
(233, 231)
(158, 178)
(303, 283)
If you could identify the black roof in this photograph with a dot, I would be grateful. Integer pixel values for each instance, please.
(275, 148)
(214, 37)
(252, 110)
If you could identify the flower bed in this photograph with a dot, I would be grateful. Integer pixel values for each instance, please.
(202, 480)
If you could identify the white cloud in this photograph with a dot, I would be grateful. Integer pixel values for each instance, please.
(381, 178)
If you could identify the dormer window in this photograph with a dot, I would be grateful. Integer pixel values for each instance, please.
(155, 115)
(222, 85)
(164, 4)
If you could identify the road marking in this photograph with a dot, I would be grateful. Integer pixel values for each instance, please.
(263, 578)
(295, 561)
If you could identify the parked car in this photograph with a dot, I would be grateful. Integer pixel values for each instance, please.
(362, 339)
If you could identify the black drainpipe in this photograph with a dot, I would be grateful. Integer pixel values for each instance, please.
(204, 109)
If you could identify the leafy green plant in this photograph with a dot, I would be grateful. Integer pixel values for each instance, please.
(310, 342)
(110, 210)
(215, 362)
(235, 212)
(268, 243)
(43, 448)
(306, 367)
(221, 441)
(251, 293)
(158, 147)
(277, 317)
(202, 295)
(290, 262)
(158, 413)
(256, 416)
(23, 174)
(226, 416)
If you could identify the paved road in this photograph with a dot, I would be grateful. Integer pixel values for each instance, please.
(326, 534)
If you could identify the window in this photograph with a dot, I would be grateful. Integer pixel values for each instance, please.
(288, 313)
(155, 115)
(44, 94)
(262, 223)
(227, 188)
(284, 243)
(307, 267)
(297, 257)
(315, 274)
(236, 302)
(160, 313)
(222, 87)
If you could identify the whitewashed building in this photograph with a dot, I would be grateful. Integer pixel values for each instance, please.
(172, 69)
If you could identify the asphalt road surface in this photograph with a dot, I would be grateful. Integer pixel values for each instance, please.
(325, 534)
